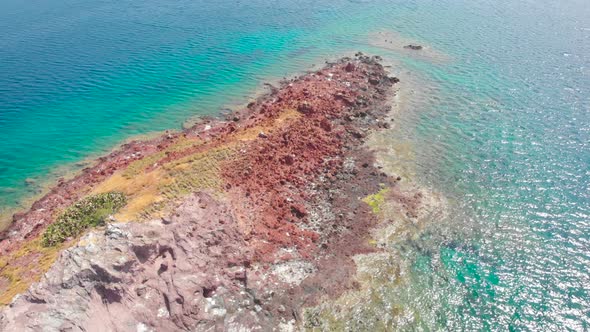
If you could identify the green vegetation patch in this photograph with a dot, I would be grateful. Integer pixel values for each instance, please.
(377, 200)
(89, 212)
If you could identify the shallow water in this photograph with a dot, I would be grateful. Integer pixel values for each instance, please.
(497, 118)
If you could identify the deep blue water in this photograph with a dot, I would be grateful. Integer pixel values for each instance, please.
(499, 124)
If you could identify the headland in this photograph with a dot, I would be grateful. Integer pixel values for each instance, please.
(239, 222)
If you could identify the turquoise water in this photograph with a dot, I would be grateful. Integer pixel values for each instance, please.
(500, 124)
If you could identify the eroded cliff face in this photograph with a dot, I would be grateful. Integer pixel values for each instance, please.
(244, 221)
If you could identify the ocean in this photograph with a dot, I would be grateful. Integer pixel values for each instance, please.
(495, 116)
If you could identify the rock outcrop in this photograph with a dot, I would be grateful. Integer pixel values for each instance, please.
(188, 272)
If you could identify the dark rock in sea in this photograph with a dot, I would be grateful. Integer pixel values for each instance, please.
(413, 47)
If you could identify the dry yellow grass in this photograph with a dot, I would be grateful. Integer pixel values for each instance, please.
(142, 190)
(251, 134)
(150, 192)
(181, 143)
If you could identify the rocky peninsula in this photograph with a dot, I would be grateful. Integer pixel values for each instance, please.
(237, 223)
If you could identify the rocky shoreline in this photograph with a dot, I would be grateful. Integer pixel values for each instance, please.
(243, 222)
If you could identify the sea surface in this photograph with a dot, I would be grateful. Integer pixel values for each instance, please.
(495, 117)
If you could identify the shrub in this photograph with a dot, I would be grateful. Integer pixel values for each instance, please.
(89, 212)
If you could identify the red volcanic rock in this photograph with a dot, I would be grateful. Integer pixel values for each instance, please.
(274, 172)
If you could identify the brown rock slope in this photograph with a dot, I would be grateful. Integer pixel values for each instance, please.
(245, 221)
